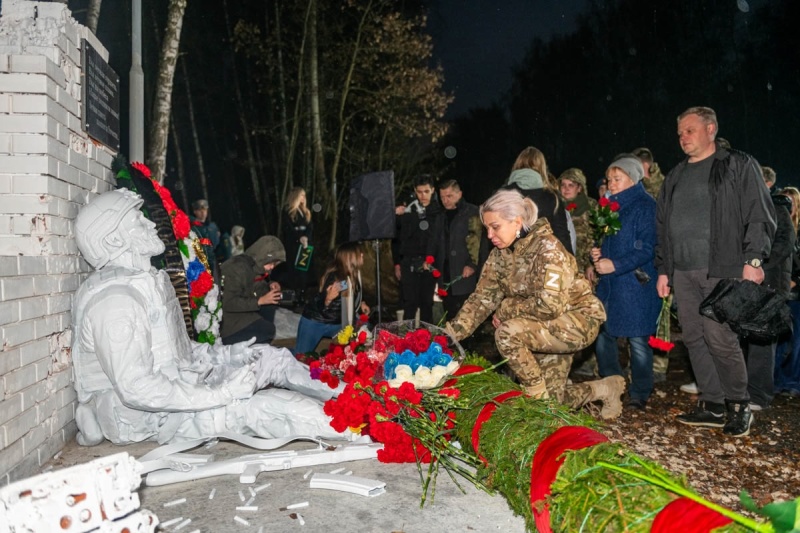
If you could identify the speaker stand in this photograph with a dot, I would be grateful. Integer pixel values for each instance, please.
(376, 244)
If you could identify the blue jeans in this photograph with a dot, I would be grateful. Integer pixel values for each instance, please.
(641, 363)
(310, 332)
(787, 357)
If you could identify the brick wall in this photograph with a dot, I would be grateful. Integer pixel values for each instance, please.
(48, 169)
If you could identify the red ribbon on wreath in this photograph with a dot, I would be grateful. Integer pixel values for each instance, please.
(547, 461)
(485, 414)
(687, 516)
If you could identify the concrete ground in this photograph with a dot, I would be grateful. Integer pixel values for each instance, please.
(395, 511)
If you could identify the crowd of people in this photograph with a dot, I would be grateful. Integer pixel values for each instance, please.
(528, 260)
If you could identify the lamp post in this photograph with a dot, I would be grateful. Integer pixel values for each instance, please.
(136, 102)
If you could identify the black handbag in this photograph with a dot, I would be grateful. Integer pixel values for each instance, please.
(755, 312)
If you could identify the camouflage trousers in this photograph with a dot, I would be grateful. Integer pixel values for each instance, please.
(540, 353)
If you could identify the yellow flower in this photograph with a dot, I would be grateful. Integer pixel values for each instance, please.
(343, 337)
(357, 429)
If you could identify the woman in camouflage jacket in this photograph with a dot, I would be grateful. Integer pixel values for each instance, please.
(544, 309)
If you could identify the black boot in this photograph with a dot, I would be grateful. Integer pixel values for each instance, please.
(706, 414)
(739, 418)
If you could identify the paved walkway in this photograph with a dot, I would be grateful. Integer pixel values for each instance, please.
(396, 511)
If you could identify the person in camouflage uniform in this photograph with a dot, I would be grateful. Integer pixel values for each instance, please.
(544, 309)
(572, 185)
(653, 177)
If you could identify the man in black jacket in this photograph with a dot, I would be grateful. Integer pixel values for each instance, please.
(715, 220)
(418, 250)
(462, 242)
(777, 276)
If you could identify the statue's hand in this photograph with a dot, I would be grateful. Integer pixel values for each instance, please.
(242, 354)
(241, 383)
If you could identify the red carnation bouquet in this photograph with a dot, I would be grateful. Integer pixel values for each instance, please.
(660, 341)
(604, 220)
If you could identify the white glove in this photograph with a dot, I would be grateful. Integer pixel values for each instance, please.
(240, 384)
(242, 354)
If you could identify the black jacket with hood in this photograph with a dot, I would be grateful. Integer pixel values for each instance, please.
(240, 290)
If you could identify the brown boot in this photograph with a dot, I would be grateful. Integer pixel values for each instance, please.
(608, 390)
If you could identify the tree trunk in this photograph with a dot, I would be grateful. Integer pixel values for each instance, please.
(248, 138)
(159, 130)
(201, 169)
(343, 122)
(176, 144)
(288, 156)
(328, 198)
(93, 15)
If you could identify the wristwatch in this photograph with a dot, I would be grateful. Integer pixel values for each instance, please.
(755, 262)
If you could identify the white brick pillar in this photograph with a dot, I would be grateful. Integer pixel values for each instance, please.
(48, 169)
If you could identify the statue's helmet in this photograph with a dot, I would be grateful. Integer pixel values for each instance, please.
(100, 218)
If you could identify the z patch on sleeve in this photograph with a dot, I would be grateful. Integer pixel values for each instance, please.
(553, 280)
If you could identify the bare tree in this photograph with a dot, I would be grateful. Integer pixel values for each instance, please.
(159, 130)
(201, 168)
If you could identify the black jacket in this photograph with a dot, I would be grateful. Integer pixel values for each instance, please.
(462, 243)
(317, 311)
(419, 234)
(742, 215)
(552, 209)
(778, 266)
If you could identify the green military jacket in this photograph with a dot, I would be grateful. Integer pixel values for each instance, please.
(583, 230)
(536, 278)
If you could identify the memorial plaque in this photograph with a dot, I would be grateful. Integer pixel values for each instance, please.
(100, 98)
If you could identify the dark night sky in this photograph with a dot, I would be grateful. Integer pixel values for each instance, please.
(478, 42)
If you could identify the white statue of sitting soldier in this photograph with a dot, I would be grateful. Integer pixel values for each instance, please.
(138, 375)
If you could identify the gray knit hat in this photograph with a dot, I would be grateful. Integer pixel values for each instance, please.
(630, 165)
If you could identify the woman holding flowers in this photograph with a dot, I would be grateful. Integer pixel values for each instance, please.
(339, 301)
(544, 309)
(627, 285)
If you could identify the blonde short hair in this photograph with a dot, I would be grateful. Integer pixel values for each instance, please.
(510, 204)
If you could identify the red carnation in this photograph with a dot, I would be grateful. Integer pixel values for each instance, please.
(362, 318)
(201, 285)
(441, 292)
(196, 223)
(614, 206)
(180, 225)
(205, 242)
(141, 167)
(429, 259)
(572, 206)
(603, 202)
(436, 273)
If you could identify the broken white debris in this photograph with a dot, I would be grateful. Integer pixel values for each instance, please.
(183, 524)
(262, 487)
(261, 529)
(169, 523)
(175, 502)
(241, 520)
(300, 519)
(241, 495)
(294, 506)
(56, 456)
(352, 484)
(252, 492)
(249, 508)
(348, 473)
(305, 476)
(337, 471)
(195, 531)
(211, 494)
(251, 500)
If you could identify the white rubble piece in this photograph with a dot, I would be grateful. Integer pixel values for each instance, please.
(249, 466)
(94, 496)
(353, 484)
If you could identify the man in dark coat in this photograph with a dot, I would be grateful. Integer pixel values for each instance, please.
(249, 301)
(419, 231)
(208, 232)
(715, 220)
(462, 241)
(777, 276)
